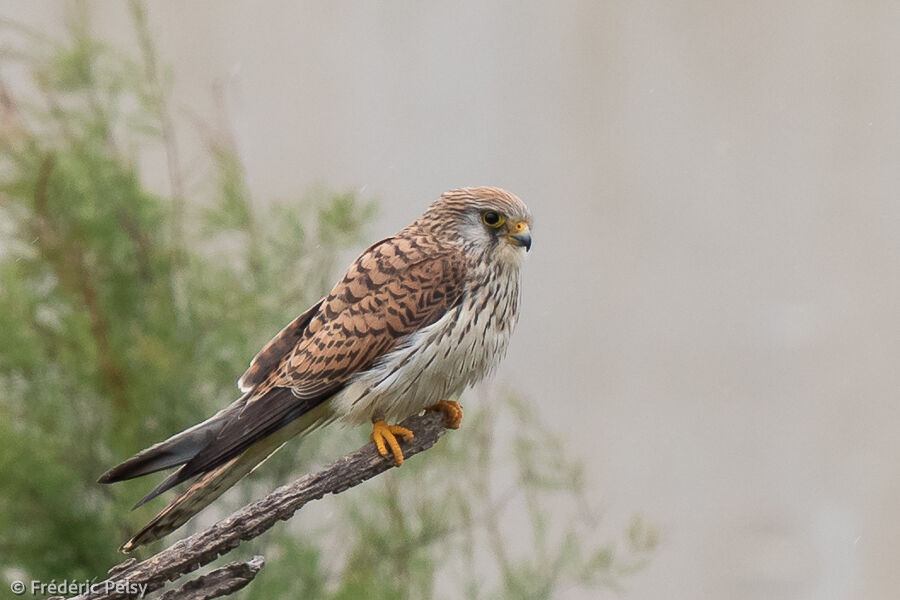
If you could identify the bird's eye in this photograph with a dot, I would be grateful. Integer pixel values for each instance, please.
(492, 219)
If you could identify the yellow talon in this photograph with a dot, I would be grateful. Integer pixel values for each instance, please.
(452, 411)
(382, 432)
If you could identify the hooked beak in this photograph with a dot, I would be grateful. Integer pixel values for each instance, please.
(520, 235)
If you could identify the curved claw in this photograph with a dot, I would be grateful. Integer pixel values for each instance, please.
(452, 411)
(385, 437)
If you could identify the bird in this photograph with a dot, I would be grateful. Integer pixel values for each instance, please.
(417, 318)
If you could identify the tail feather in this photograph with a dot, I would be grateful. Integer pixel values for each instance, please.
(212, 484)
(194, 499)
(172, 452)
(164, 486)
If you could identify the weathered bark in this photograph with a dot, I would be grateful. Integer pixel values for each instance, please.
(249, 522)
(221, 582)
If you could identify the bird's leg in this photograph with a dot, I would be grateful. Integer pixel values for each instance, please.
(452, 411)
(385, 437)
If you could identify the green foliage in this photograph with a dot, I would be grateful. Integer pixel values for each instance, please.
(114, 335)
(127, 314)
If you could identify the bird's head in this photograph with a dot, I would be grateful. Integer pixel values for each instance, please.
(486, 219)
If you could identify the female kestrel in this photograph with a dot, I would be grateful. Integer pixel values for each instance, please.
(417, 318)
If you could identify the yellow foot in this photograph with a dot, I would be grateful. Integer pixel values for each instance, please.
(384, 436)
(452, 412)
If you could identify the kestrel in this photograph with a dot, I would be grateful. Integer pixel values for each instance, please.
(417, 318)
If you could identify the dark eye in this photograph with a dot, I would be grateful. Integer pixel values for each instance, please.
(492, 219)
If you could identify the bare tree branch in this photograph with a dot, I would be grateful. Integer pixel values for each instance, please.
(218, 583)
(249, 522)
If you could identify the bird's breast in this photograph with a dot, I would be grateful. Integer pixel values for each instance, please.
(439, 361)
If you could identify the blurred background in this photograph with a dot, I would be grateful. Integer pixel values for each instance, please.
(711, 318)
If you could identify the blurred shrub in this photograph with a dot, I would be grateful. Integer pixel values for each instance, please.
(126, 315)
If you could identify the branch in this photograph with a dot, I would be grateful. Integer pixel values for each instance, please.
(218, 583)
(205, 546)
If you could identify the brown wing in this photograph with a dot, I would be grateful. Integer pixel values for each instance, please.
(274, 352)
(395, 288)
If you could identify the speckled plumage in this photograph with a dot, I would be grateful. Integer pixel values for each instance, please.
(417, 318)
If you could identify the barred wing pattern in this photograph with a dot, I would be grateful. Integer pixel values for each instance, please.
(395, 288)
(418, 316)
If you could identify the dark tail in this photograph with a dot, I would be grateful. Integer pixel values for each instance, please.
(175, 451)
(211, 484)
